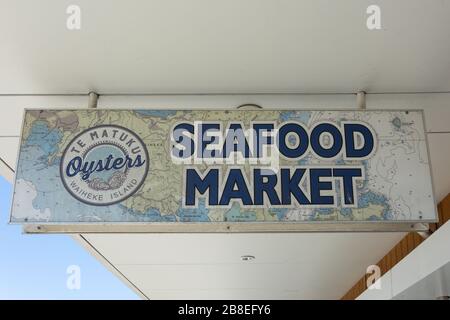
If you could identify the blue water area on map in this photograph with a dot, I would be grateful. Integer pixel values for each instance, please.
(235, 214)
(300, 116)
(346, 212)
(280, 212)
(44, 138)
(157, 113)
(198, 214)
(371, 197)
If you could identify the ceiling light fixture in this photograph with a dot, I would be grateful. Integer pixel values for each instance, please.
(247, 258)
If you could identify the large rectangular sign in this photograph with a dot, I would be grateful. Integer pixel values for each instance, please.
(140, 166)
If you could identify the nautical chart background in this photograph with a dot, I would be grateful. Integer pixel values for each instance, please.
(397, 186)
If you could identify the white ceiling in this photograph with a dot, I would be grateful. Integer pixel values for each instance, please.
(208, 266)
(204, 46)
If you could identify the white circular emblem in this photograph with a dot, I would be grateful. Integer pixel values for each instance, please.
(104, 165)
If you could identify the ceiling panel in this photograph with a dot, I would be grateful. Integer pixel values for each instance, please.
(293, 265)
(206, 46)
(228, 248)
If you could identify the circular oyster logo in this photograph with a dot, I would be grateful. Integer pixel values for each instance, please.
(104, 165)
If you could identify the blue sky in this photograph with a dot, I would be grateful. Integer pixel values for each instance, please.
(35, 266)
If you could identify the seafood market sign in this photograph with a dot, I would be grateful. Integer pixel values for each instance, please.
(178, 167)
